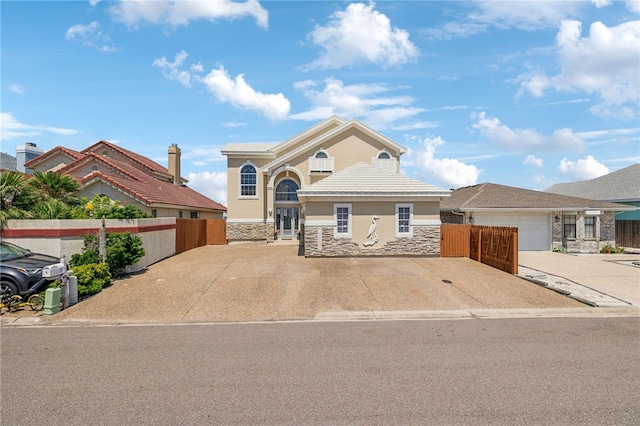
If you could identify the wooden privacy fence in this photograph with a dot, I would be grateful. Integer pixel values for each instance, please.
(628, 233)
(192, 233)
(496, 246)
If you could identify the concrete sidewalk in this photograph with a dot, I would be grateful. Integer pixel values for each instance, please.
(613, 275)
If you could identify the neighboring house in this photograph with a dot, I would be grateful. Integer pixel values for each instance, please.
(544, 220)
(107, 169)
(622, 186)
(336, 184)
(7, 162)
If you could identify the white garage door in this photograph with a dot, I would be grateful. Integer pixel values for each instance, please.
(534, 229)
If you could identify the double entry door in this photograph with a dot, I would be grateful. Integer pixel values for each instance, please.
(287, 221)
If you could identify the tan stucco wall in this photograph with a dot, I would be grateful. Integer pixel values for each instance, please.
(362, 213)
(54, 162)
(245, 208)
(157, 245)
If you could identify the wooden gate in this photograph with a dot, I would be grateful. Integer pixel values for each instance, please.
(192, 233)
(495, 246)
(454, 240)
(628, 233)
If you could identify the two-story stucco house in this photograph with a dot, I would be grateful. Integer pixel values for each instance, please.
(336, 186)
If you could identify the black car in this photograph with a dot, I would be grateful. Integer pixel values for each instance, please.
(20, 269)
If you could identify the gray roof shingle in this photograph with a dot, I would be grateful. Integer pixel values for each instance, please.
(494, 196)
(622, 185)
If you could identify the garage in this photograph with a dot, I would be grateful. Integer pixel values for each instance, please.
(534, 229)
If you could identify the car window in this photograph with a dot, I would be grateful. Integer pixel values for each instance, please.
(10, 251)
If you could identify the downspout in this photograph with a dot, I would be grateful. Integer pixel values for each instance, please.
(460, 214)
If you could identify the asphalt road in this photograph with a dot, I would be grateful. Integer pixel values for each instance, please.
(485, 372)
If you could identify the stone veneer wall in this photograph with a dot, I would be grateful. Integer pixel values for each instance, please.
(606, 224)
(249, 231)
(450, 218)
(425, 242)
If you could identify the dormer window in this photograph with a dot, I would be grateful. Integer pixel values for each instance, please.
(384, 161)
(321, 162)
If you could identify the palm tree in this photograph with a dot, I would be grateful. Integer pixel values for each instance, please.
(50, 208)
(15, 197)
(57, 186)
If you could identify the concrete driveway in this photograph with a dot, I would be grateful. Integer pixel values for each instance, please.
(259, 282)
(611, 274)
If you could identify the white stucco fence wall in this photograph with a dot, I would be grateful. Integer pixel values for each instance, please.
(64, 237)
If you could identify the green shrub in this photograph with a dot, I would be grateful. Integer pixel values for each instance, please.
(123, 250)
(92, 278)
(611, 249)
(103, 206)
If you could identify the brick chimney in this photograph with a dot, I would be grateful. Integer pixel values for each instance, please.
(174, 163)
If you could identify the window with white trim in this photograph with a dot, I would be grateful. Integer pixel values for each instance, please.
(342, 217)
(321, 154)
(286, 191)
(384, 155)
(248, 181)
(404, 216)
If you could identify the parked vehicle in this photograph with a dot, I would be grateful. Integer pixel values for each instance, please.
(20, 269)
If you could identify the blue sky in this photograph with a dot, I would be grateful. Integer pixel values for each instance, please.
(521, 93)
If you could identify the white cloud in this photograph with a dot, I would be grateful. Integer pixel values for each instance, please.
(601, 3)
(91, 35)
(11, 128)
(367, 102)
(582, 169)
(177, 13)
(172, 71)
(16, 88)
(533, 160)
(526, 139)
(237, 92)
(360, 34)
(633, 5)
(204, 155)
(234, 124)
(449, 171)
(529, 16)
(605, 63)
(210, 184)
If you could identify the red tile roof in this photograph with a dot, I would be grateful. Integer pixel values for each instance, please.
(136, 180)
(66, 151)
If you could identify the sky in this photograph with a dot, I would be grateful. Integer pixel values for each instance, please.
(520, 93)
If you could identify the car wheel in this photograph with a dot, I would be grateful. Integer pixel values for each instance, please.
(7, 288)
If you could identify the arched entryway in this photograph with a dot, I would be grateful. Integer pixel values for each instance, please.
(287, 208)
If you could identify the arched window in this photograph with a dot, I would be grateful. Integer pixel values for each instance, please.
(248, 181)
(321, 154)
(384, 155)
(286, 191)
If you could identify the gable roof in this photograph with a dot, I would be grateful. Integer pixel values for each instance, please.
(141, 160)
(622, 185)
(318, 141)
(138, 177)
(491, 196)
(70, 153)
(362, 179)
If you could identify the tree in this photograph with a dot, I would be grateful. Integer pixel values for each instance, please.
(57, 186)
(15, 197)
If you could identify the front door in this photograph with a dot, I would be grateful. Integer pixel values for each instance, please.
(287, 221)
